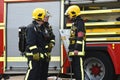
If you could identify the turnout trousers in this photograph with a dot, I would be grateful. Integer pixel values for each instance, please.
(37, 70)
(77, 66)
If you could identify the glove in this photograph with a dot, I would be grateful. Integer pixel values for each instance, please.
(50, 46)
(37, 56)
(48, 57)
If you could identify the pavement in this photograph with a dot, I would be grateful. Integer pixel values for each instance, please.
(18, 77)
(21, 77)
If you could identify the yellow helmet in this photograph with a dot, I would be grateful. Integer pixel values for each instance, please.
(39, 14)
(73, 11)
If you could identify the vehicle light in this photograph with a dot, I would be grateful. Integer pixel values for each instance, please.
(113, 46)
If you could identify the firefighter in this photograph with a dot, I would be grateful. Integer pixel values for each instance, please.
(77, 41)
(39, 41)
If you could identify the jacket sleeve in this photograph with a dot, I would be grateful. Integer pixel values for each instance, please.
(31, 40)
(52, 37)
(50, 30)
(80, 35)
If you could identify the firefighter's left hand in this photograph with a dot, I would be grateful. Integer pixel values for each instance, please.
(50, 46)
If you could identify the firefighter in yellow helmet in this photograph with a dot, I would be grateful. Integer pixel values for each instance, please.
(77, 41)
(39, 14)
(39, 42)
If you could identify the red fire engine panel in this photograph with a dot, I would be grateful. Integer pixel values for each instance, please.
(1, 11)
(1, 50)
(1, 42)
(1, 67)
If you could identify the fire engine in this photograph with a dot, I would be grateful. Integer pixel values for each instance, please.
(102, 38)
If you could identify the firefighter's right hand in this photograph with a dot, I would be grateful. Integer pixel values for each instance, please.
(37, 56)
(75, 52)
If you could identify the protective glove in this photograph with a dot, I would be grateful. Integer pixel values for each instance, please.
(48, 56)
(50, 46)
(37, 56)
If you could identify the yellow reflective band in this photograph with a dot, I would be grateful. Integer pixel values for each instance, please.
(33, 47)
(29, 54)
(45, 54)
(52, 40)
(83, 46)
(81, 68)
(28, 72)
(79, 54)
(46, 46)
(79, 42)
(41, 55)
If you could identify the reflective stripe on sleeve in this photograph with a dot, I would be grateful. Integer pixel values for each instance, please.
(46, 46)
(29, 54)
(33, 47)
(41, 55)
(53, 41)
(79, 54)
(79, 42)
(47, 54)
